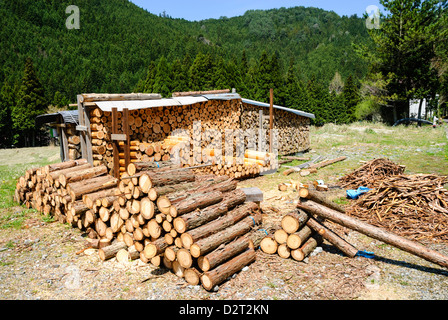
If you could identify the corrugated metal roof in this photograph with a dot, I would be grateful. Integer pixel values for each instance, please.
(70, 116)
(143, 104)
(266, 105)
(188, 100)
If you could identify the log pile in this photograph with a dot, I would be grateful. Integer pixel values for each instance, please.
(370, 172)
(74, 142)
(199, 226)
(294, 239)
(414, 206)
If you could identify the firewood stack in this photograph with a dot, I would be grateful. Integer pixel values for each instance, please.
(197, 225)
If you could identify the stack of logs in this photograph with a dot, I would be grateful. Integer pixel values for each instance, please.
(200, 226)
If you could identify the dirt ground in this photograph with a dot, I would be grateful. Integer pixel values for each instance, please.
(42, 260)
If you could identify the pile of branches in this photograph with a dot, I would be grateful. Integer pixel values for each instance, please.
(414, 206)
(372, 171)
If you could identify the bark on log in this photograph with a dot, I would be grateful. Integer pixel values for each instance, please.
(326, 163)
(301, 253)
(333, 238)
(205, 245)
(294, 220)
(319, 197)
(110, 251)
(195, 201)
(79, 175)
(216, 276)
(229, 219)
(64, 165)
(376, 233)
(223, 253)
(199, 217)
(155, 248)
(78, 189)
(90, 198)
(295, 240)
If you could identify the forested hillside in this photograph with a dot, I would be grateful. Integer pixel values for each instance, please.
(120, 47)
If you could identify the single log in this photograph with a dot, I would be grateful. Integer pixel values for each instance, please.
(223, 253)
(126, 255)
(319, 197)
(78, 189)
(111, 251)
(283, 251)
(268, 244)
(376, 233)
(79, 175)
(301, 253)
(229, 219)
(170, 252)
(53, 176)
(192, 276)
(280, 236)
(184, 258)
(326, 163)
(155, 248)
(64, 165)
(147, 208)
(332, 237)
(295, 240)
(195, 201)
(177, 268)
(135, 167)
(150, 179)
(205, 245)
(294, 220)
(216, 276)
(199, 217)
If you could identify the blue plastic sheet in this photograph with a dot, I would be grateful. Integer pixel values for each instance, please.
(354, 194)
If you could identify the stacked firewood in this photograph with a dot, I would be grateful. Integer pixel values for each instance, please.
(74, 142)
(200, 226)
(292, 131)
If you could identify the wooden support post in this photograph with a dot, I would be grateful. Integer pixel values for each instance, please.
(127, 151)
(115, 143)
(271, 117)
(64, 143)
(82, 134)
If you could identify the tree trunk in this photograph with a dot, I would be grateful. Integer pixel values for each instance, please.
(110, 251)
(210, 243)
(319, 197)
(199, 217)
(64, 165)
(294, 220)
(376, 233)
(332, 237)
(215, 277)
(301, 253)
(295, 240)
(223, 253)
(155, 248)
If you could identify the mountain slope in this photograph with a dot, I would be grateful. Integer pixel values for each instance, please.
(117, 41)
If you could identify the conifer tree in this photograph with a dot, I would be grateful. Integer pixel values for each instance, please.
(31, 103)
(351, 99)
(162, 79)
(7, 101)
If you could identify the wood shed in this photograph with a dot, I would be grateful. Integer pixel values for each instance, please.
(64, 123)
(119, 129)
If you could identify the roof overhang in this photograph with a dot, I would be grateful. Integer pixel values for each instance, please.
(267, 105)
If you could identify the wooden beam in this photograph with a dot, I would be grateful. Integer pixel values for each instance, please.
(115, 152)
(125, 126)
(196, 93)
(118, 96)
(271, 117)
(82, 133)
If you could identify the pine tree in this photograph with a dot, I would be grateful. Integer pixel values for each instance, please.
(150, 78)
(31, 103)
(7, 101)
(351, 99)
(162, 79)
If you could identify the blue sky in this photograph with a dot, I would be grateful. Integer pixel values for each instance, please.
(205, 9)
